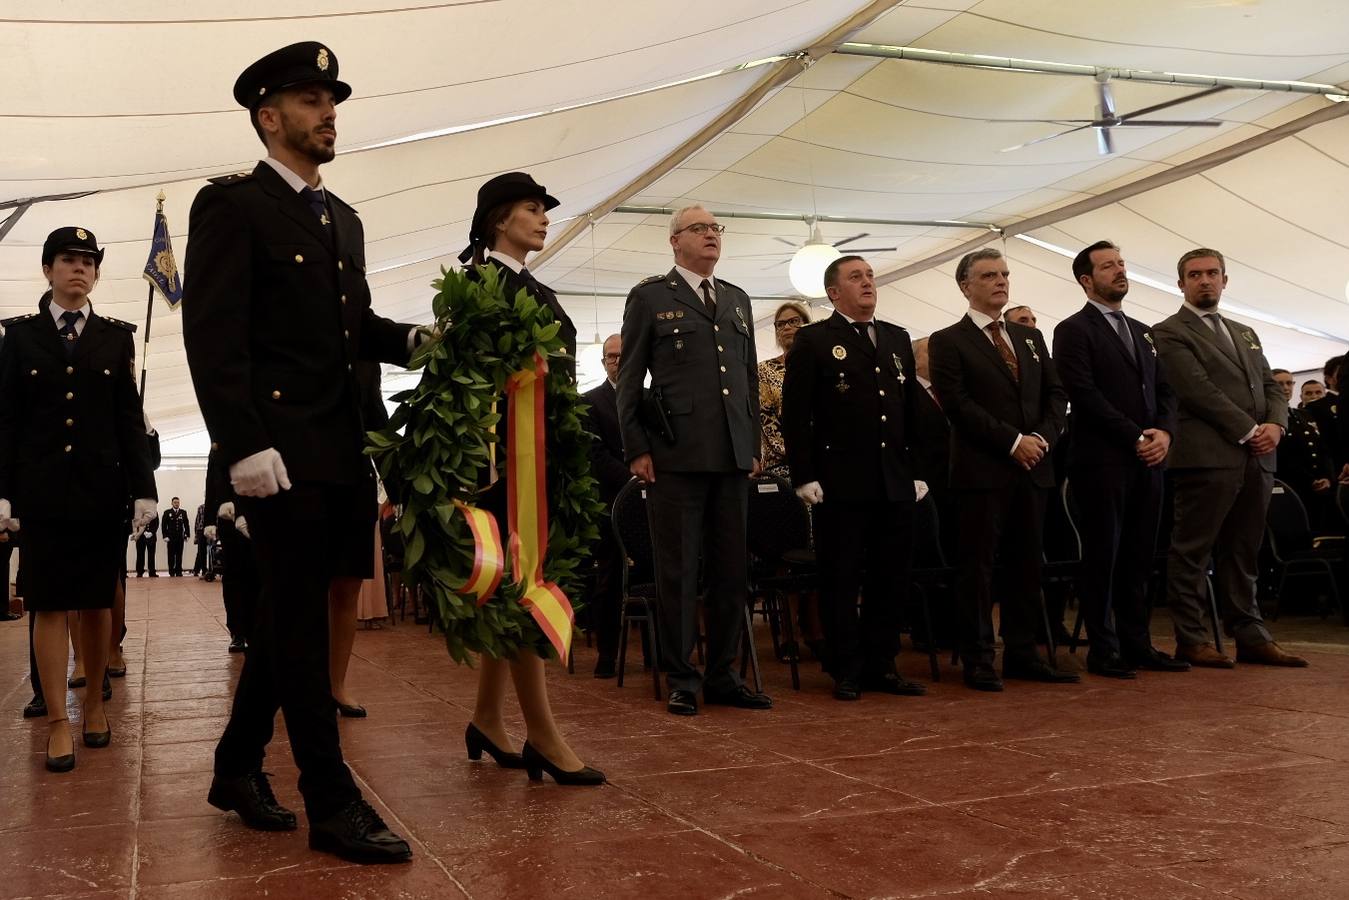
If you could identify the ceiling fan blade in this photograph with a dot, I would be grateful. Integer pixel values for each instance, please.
(1105, 145)
(1041, 140)
(1170, 123)
(781, 262)
(785, 241)
(1039, 121)
(849, 240)
(1157, 107)
(1107, 100)
(871, 249)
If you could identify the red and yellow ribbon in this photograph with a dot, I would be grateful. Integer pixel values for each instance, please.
(527, 505)
(489, 560)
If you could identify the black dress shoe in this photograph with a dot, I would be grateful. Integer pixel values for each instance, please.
(10, 616)
(237, 645)
(536, 764)
(36, 708)
(1155, 660)
(983, 678)
(605, 668)
(683, 703)
(1037, 670)
(742, 698)
(357, 834)
(1110, 667)
(352, 712)
(847, 689)
(77, 681)
(252, 798)
(891, 683)
(476, 742)
(116, 671)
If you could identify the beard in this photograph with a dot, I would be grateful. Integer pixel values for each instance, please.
(1110, 291)
(1206, 301)
(307, 143)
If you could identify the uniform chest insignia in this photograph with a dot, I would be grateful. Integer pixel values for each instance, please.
(323, 219)
(740, 314)
(840, 353)
(1034, 354)
(679, 314)
(842, 385)
(899, 367)
(1147, 336)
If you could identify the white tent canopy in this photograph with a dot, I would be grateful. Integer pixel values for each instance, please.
(650, 105)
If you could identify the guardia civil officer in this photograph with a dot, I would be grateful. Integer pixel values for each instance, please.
(72, 449)
(276, 313)
(691, 331)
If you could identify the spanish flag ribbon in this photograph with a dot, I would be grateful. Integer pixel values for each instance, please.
(489, 559)
(527, 505)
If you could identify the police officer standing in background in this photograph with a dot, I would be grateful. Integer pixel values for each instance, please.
(276, 313)
(72, 449)
(691, 331)
(848, 416)
(176, 531)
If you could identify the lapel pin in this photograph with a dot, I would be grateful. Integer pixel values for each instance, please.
(840, 353)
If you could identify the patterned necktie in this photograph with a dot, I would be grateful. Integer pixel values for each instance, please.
(1122, 329)
(864, 329)
(1220, 331)
(67, 331)
(708, 299)
(315, 200)
(1004, 349)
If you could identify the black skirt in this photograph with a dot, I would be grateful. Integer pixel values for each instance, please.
(69, 564)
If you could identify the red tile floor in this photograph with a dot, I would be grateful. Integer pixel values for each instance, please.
(1203, 785)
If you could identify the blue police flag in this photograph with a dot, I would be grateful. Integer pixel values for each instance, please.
(160, 269)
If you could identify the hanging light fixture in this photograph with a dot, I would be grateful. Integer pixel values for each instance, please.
(808, 264)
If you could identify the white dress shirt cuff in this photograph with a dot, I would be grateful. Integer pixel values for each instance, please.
(1250, 434)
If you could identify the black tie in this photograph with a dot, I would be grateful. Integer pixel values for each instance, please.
(1122, 329)
(708, 299)
(315, 200)
(864, 329)
(68, 332)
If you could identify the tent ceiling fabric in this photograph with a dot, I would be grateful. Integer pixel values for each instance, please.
(850, 136)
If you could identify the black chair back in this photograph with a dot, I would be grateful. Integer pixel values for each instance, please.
(632, 529)
(779, 521)
(1289, 529)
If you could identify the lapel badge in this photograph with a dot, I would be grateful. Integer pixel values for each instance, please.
(842, 386)
(840, 354)
(1147, 336)
(899, 367)
(740, 314)
(322, 61)
(1034, 354)
(81, 234)
(1249, 338)
(323, 219)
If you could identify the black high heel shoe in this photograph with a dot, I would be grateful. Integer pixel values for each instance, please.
(537, 765)
(97, 739)
(476, 742)
(59, 763)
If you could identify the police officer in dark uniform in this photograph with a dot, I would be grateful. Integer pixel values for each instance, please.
(276, 313)
(240, 583)
(72, 449)
(849, 418)
(176, 530)
(692, 332)
(1304, 462)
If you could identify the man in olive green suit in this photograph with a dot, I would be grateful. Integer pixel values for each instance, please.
(1232, 415)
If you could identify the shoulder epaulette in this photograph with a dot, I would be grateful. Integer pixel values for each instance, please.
(650, 279)
(236, 178)
(120, 324)
(12, 321)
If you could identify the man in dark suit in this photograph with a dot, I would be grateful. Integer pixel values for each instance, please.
(1304, 463)
(692, 332)
(176, 530)
(1123, 417)
(276, 315)
(1002, 395)
(1231, 419)
(848, 419)
(606, 460)
(147, 542)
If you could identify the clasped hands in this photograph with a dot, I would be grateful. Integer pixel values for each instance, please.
(1152, 447)
(1265, 439)
(1030, 450)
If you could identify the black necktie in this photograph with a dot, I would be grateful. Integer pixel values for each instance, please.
(1122, 329)
(68, 332)
(864, 329)
(708, 299)
(315, 200)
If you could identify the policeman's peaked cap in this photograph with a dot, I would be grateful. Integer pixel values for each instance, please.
(71, 237)
(307, 62)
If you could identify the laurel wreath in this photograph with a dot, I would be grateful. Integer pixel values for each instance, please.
(435, 451)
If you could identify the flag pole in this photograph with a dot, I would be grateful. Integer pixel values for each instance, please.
(149, 310)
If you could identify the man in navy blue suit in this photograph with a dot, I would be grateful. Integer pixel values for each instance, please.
(1123, 415)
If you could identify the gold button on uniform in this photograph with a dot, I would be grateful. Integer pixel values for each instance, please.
(723, 368)
(70, 370)
(107, 372)
(345, 333)
(34, 372)
(878, 370)
(344, 299)
(299, 258)
(339, 265)
(726, 391)
(882, 393)
(720, 349)
(67, 448)
(276, 395)
(882, 445)
(70, 395)
(70, 423)
(882, 418)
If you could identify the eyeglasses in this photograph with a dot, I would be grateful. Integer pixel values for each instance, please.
(612, 357)
(701, 228)
(793, 322)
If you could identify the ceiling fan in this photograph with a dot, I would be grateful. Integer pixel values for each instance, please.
(1107, 119)
(816, 237)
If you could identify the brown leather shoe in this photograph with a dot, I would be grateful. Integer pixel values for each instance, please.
(1204, 655)
(1269, 654)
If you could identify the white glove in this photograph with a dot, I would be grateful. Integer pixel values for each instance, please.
(5, 510)
(919, 490)
(260, 475)
(812, 493)
(146, 512)
(210, 532)
(226, 511)
(241, 525)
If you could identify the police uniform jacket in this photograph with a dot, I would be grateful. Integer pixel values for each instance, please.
(706, 369)
(72, 431)
(848, 411)
(276, 313)
(174, 525)
(514, 282)
(1302, 454)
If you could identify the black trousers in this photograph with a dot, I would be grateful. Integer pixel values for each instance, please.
(175, 556)
(145, 554)
(1003, 525)
(241, 583)
(866, 547)
(199, 561)
(700, 517)
(1119, 513)
(608, 593)
(286, 665)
